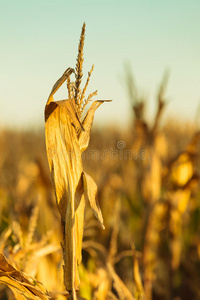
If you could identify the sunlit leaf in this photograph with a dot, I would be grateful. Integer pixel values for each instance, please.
(91, 195)
(22, 285)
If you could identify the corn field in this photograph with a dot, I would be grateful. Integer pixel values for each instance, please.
(100, 214)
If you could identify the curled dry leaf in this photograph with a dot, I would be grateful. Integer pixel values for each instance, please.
(22, 285)
(66, 138)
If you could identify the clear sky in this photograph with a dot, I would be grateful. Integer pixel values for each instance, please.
(39, 40)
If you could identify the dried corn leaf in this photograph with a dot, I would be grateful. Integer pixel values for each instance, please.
(121, 289)
(61, 80)
(23, 286)
(84, 136)
(90, 188)
(139, 293)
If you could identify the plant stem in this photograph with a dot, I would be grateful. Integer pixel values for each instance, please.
(73, 232)
(72, 295)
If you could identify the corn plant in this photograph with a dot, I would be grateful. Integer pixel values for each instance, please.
(67, 136)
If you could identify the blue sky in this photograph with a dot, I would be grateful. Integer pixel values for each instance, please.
(39, 40)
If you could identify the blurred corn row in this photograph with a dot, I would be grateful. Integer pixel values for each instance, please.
(149, 195)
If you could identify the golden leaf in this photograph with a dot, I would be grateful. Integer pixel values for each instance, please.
(84, 136)
(22, 285)
(90, 189)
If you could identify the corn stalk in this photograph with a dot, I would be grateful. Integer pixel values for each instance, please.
(66, 138)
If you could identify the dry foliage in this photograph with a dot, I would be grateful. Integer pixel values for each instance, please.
(23, 286)
(67, 136)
